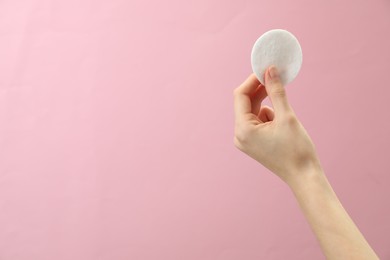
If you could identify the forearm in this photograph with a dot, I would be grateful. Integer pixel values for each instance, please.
(338, 235)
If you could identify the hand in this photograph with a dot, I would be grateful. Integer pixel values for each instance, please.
(273, 137)
(276, 139)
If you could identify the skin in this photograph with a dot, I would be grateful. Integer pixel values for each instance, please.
(275, 138)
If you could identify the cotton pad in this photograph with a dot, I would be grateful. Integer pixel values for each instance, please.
(281, 49)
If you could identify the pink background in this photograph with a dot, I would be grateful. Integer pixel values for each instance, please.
(116, 127)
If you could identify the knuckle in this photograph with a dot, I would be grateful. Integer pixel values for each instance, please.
(235, 91)
(279, 91)
(291, 119)
(241, 134)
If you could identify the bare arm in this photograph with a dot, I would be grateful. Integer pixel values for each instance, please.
(276, 139)
(338, 235)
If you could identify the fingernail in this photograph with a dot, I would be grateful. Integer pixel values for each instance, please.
(273, 72)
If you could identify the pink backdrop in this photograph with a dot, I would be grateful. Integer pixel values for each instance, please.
(116, 127)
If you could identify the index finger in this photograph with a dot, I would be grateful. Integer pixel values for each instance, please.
(242, 96)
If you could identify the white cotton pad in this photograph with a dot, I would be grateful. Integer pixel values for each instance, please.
(281, 49)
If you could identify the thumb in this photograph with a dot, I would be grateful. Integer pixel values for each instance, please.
(276, 91)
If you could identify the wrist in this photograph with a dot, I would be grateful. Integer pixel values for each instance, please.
(302, 178)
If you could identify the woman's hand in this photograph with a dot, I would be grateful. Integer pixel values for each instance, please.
(273, 137)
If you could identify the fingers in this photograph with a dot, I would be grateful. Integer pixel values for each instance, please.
(257, 98)
(243, 94)
(266, 114)
(276, 91)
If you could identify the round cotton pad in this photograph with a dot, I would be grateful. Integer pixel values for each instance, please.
(281, 49)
